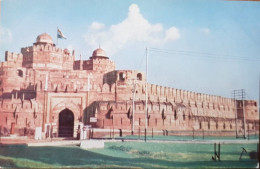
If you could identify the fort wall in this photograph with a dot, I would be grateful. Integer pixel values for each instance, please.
(44, 81)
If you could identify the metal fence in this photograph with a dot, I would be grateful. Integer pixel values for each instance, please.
(170, 134)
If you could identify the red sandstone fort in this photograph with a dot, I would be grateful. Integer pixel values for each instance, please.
(44, 85)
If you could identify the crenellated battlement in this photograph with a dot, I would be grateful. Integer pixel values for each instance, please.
(10, 56)
(13, 59)
(47, 56)
(46, 48)
(103, 61)
(186, 96)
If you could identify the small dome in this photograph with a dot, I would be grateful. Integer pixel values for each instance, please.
(66, 51)
(44, 38)
(99, 53)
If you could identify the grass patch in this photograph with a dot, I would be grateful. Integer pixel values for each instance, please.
(127, 155)
(7, 162)
(22, 163)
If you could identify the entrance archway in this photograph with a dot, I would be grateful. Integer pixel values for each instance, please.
(66, 123)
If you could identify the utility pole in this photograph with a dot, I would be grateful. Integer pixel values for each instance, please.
(244, 119)
(240, 95)
(235, 104)
(87, 96)
(45, 102)
(146, 107)
(133, 108)
(88, 93)
(0, 11)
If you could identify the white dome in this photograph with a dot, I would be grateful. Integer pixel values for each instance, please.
(99, 53)
(44, 38)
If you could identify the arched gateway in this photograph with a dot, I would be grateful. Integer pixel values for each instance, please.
(66, 123)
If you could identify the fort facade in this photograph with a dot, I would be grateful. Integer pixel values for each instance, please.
(45, 86)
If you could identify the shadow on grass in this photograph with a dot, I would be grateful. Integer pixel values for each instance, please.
(7, 163)
(74, 156)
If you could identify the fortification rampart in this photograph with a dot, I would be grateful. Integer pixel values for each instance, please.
(45, 85)
(47, 56)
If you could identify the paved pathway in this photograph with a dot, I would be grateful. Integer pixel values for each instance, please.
(62, 142)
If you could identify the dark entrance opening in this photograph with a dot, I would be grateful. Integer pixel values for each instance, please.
(66, 123)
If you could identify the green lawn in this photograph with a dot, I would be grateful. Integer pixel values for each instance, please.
(127, 154)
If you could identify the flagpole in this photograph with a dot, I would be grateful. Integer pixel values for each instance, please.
(57, 37)
(146, 95)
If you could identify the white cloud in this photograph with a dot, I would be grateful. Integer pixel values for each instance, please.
(172, 34)
(134, 28)
(97, 26)
(205, 30)
(5, 35)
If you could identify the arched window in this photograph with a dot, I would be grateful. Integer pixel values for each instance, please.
(20, 73)
(121, 76)
(139, 76)
(175, 114)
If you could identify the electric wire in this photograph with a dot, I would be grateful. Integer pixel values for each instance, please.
(141, 62)
(203, 54)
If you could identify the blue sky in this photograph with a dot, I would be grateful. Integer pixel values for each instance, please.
(198, 45)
